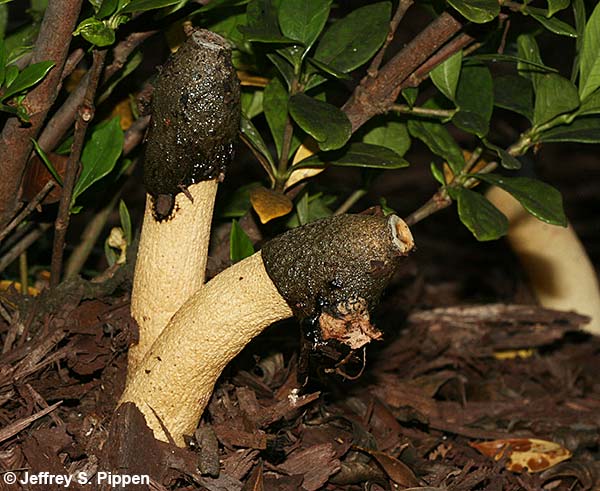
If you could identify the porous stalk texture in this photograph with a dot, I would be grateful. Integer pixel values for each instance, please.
(177, 376)
(171, 264)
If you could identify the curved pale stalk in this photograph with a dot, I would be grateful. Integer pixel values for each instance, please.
(171, 263)
(559, 270)
(332, 271)
(177, 377)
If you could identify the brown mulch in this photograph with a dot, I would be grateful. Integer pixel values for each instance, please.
(434, 388)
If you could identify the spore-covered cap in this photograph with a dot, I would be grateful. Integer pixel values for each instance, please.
(195, 119)
(335, 270)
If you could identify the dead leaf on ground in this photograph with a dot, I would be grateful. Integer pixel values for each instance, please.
(524, 454)
(395, 469)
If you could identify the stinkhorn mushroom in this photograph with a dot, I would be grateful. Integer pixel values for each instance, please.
(332, 272)
(195, 120)
(560, 272)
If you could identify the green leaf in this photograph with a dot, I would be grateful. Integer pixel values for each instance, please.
(285, 67)
(482, 218)
(514, 93)
(99, 155)
(506, 160)
(30, 76)
(553, 24)
(109, 252)
(227, 26)
(475, 99)
(263, 23)
(8, 109)
(437, 173)
(240, 245)
(96, 32)
(125, 221)
(478, 11)
(589, 61)
(410, 95)
(238, 203)
(47, 162)
(496, 58)
(590, 105)
(275, 106)
(143, 5)
(3, 20)
(21, 41)
(310, 208)
(581, 130)
(252, 103)
(445, 76)
(303, 20)
(529, 50)
(387, 131)
(12, 72)
(3, 57)
(540, 199)
(324, 122)
(216, 4)
(579, 14)
(357, 155)
(556, 6)
(352, 41)
(328, 69)
(555, 95)
(107, 8)
(439, 141)
(251, 133)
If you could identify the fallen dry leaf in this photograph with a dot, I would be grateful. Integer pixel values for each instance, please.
(269, 204)
(524, 454)
(395, 469)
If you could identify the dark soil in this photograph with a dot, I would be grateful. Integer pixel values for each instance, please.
(444, 378)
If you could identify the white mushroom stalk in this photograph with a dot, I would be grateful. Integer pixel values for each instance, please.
(560, 272)
(333, 270)
(195, 120)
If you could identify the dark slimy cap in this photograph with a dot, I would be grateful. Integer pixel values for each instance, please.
(195, 119)
(334, 270)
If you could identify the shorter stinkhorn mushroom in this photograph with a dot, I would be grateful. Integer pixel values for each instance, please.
(332, 271)
(195, 121)
(560, 271)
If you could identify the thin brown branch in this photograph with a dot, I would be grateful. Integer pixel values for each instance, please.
(93, 229)
(122, 51)
(403, 6)
(15, 141)
(84, 116)
(63, 118)
(22, 245)
(423, 111)
(437, 202)
(135, 134)
(421, 73)
(72, 61)
(33, 204)
(375, 95)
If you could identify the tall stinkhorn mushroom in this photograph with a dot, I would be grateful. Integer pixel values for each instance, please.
(195, 120)
(332, 272)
